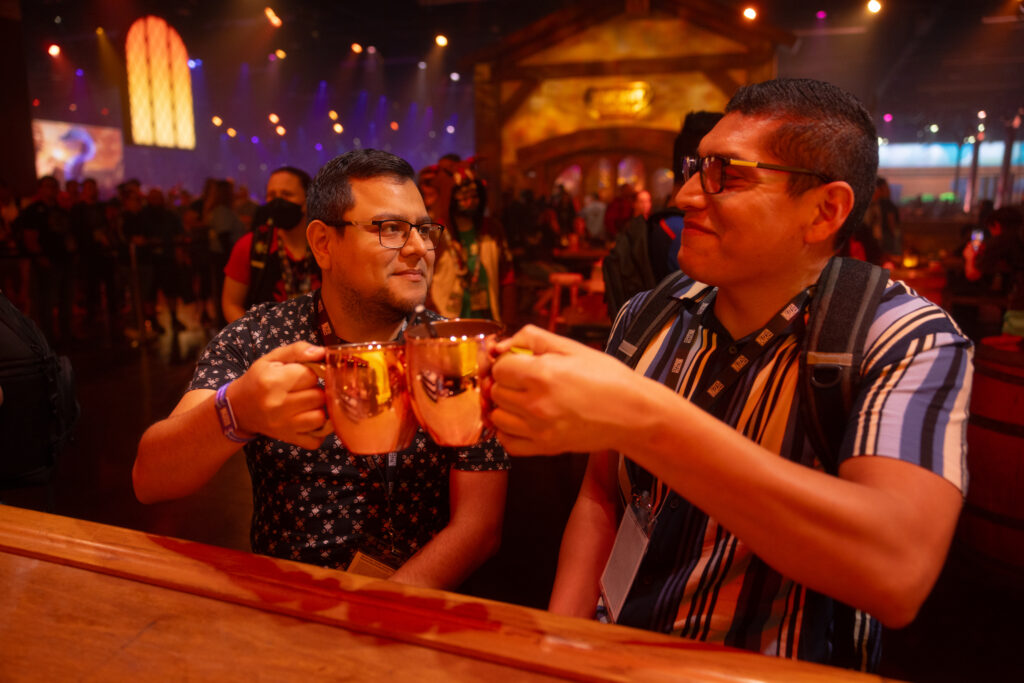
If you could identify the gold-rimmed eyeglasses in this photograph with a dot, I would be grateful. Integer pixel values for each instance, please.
(712, 170)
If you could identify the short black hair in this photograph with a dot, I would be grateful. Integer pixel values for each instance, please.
(824, 129)
(303, 177)
(330, 196)
(696, 125)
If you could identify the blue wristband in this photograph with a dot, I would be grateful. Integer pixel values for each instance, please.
(228, 425)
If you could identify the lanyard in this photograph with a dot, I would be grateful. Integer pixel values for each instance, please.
(649, 503)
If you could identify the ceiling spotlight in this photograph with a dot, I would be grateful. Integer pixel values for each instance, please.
(231, 132)
(934, 128)
(821, 14)
(371, 50)
(394, 125)
(281, 54)
(982, 114)
(981, 127)
(217, 121)
(280, 130)
(750, 13)
(441, 40)
(454, 76)
(273, 118)
(874, 6)
(421, 66)
(338, 128)
(450, 130)
(887, 118)
(272, 17)
(357, 48)
(99, 30)
(54, 50)
(318, 147)
(332, 115)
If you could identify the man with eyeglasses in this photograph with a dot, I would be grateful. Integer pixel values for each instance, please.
(429, 514)
(718, 522)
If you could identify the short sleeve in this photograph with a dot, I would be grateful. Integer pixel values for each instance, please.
(488, 456)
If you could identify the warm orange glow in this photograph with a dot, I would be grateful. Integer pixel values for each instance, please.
(874, 6)
(280, 54)
(217, 121)
(159, 85)
(280, 130)
(332, 115)
(54, 50)
(338, 128)
(357, 48)
(274, 118)
(272, 17)
(231, 132)
(394, 125)
(441, 40)
(750, 13)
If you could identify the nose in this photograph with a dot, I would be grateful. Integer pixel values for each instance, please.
(416, 244)
(690, 194)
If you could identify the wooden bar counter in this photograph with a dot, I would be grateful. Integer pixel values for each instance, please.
(85, 601)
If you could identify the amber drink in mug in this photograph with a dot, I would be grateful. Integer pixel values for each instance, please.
(448, 362)
(368, 398)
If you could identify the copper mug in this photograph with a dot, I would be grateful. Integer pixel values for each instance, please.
(368, 397)
(448, 362)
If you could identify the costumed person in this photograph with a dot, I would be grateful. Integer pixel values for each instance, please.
(474, 262)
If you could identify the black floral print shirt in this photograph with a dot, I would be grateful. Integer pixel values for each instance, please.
(322, 506)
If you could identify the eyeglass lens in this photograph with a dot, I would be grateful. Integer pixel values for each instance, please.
(394, 234)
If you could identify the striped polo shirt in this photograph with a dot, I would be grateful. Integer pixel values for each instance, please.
(697, 579)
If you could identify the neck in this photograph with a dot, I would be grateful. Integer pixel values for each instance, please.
(295, 239)
(354, 322)
(746, 307)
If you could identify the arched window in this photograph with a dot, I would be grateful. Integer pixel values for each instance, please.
(159, 85)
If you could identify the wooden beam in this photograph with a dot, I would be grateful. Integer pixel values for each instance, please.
(516, 99)
(636, 67)
(723, 81)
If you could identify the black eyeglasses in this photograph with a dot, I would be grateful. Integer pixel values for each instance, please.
(393, 233)
(712, 170)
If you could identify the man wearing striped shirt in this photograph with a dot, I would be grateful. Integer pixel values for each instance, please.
(717, 521)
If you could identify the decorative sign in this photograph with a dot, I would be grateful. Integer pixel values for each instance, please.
(629, 101)
(159, 85)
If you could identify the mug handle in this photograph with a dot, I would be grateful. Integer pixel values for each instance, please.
(320, 368)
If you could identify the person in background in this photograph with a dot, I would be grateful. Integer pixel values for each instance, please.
(273, 262)
(474, 262)
(733, 532)
(593, 215)
(440, 514)
(883, 219)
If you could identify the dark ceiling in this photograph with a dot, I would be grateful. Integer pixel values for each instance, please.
(924, 62)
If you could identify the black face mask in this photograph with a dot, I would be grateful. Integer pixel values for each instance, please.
(278, 213)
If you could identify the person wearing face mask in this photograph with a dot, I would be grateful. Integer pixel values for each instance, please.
(272, 262)
(474, 259)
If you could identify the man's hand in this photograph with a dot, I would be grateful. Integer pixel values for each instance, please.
(563, 397)
(280, 398)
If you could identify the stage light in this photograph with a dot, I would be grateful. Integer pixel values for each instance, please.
(422, 66)
(79, 72)
(394, 125)
(35, 102)
(217, 121)
(281, 54)
(99, 30)
(272, 17)
(371, 50)
(254, 140)
(971, 140)
(821, 14)
(318, 147)
(450, 130)
(231, 132)
(104, 111)
(192, 64)
(273, 118)
(454, 76)
(280, 130)
(54, 50)
(981, 127)
(271, 57)
(874, 6)
(982, 114)
(934, 128)
(441, 40)
(338, 128)
(73, 107)
(750, 13)
(887, 118)
(57, 19)
(332, 115)
(357, 48)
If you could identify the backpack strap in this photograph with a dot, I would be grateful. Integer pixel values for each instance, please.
(841, 312)
(259, 253)
(660, 306)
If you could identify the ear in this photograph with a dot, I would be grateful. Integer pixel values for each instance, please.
(319, 239)
(833, 202)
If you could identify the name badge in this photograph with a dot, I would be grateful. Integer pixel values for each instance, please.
(623, 563)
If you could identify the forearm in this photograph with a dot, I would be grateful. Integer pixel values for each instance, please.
(472, 535)
(867, 541)
(178, 455)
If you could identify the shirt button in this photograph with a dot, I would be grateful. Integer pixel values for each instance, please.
(733, 350)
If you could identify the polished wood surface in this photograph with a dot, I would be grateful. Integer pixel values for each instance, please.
(86, 601)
